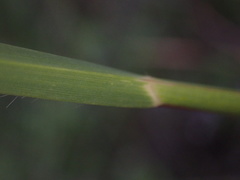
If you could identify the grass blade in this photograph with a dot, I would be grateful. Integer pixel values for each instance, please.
(30, 73)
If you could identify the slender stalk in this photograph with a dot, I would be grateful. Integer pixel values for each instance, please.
(29, 73)
(196, 96)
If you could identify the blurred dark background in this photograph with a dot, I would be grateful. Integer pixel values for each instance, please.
(189, 40)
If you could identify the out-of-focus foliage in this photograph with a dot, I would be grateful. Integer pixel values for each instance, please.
(191, 40)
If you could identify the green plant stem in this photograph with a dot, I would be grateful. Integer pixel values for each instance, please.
(197, 96)
(29, 73)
